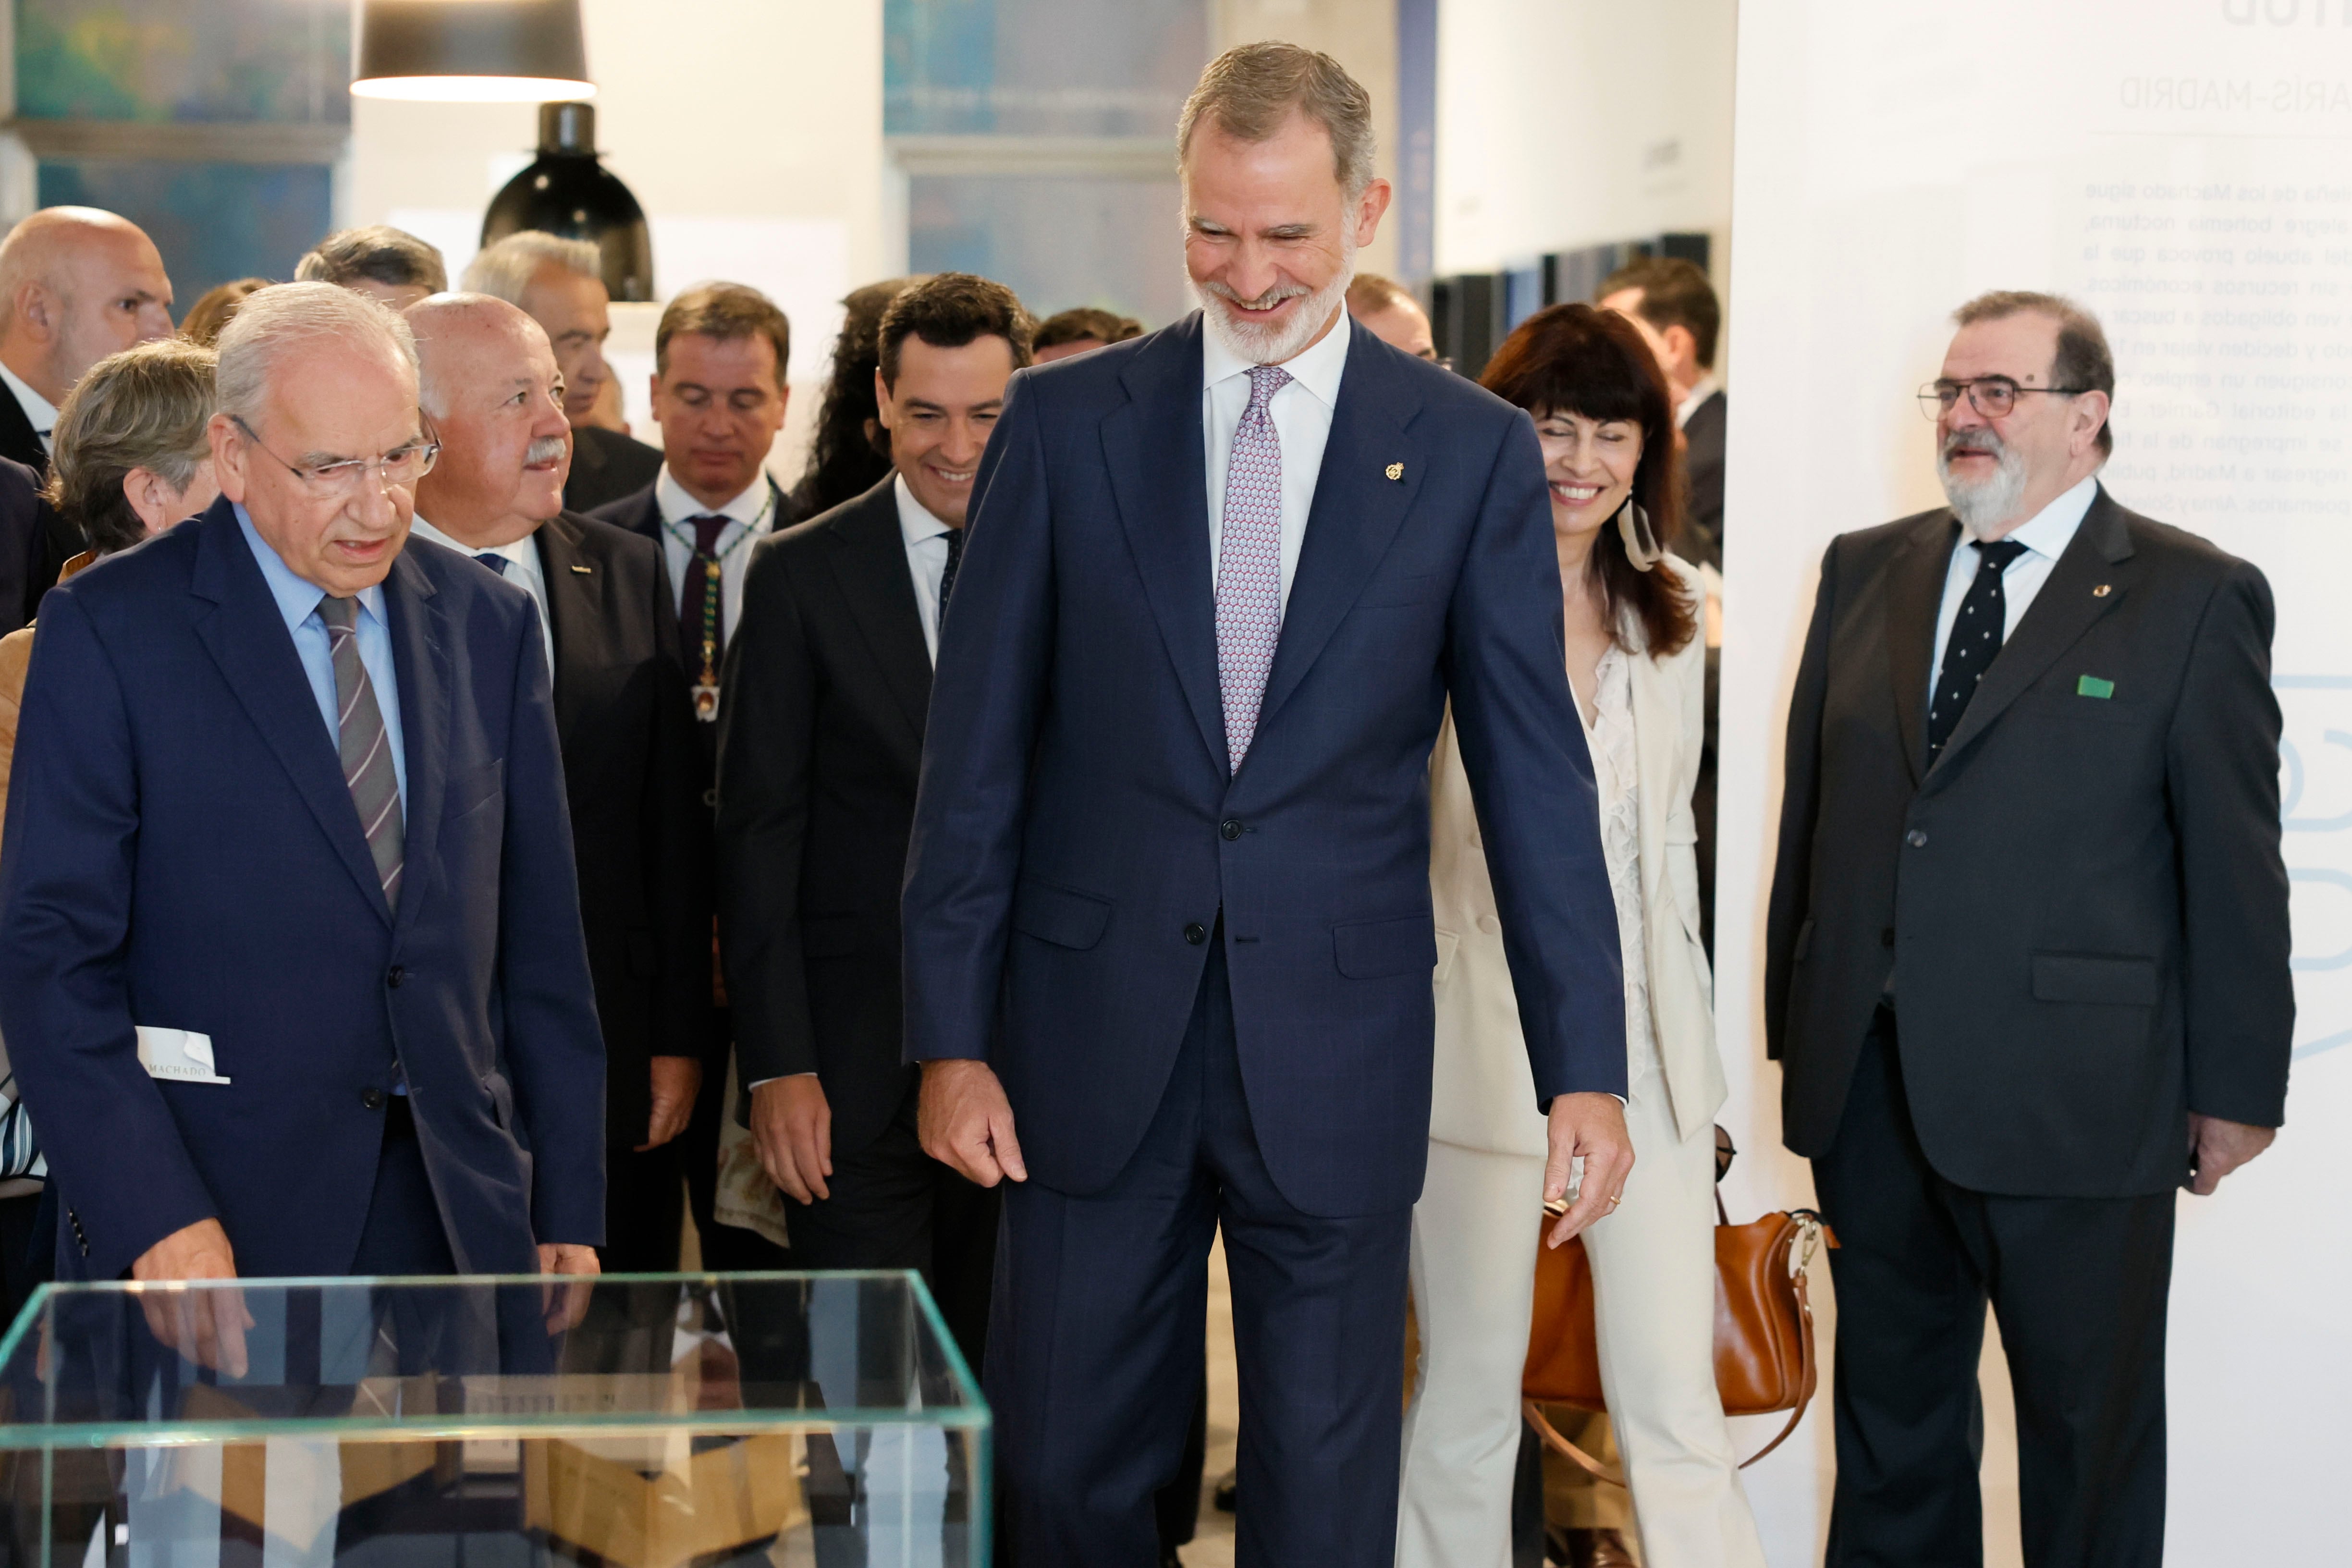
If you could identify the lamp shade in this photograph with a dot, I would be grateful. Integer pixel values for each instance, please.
(567, 191)
(471, 51)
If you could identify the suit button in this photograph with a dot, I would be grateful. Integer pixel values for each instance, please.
(1886, 937)
(1231, 829)
(1196, 933)
(372, 1099)
(396, 976)
(1916, 840)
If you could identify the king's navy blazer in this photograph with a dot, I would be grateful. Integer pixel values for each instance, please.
(1077, 835)
(183, 853)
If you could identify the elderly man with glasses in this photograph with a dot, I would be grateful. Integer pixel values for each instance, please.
(2027, 962)
(291, 969)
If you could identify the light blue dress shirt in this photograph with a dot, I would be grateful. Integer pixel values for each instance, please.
(297, 601)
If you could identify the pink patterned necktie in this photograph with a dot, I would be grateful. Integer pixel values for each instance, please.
(1249, 563)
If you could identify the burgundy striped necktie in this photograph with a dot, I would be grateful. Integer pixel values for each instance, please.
(366, 748)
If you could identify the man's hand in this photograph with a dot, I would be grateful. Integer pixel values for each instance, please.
(206, 1326)
(676, 1080)
(966, 1122)
(1591, 1127)
(792, 1122)
(565, 1305)
(2217, 1147)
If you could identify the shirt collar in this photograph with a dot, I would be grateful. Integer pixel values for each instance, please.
(524, 552)
(298, 597)
(1317, 369)
(676, 506)
(1706, 386)
(2051, 528)
(916, 522)
(38, 409)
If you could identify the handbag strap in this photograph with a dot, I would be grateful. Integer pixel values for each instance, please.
(1804, 1225)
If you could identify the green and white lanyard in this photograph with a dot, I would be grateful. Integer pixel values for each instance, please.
(714, 572)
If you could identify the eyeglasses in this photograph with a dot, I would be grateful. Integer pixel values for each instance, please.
(401, 465)
(1991, 396)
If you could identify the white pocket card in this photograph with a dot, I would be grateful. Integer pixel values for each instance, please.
(177, 1055)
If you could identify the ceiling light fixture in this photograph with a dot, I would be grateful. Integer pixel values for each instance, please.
(471, 51)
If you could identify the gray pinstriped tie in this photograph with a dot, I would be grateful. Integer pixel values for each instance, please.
(366, 748)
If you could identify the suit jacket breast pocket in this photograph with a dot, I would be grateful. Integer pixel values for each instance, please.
(1407, 592)
(474, 788)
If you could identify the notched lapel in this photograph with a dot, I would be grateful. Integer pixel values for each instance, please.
(870, 561)
(1357, 512)
(1152, 446)
(239, 625)
(2060, 612)
(1915, 594)
(575, 602)
(421, 655)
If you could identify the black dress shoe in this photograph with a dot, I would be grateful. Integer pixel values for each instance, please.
(1224, 1496)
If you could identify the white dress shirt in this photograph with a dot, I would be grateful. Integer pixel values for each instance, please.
(754, 513)
(2045, 538)
(39, 411)
(522, 568)
(926, 560)
(1302, 424)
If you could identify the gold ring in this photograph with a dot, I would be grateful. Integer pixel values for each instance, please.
(1615, 1201)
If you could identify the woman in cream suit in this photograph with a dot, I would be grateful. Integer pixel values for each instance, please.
(1636, 662)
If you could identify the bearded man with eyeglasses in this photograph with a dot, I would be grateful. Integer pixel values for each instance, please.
(2027, 962)
(291, 970)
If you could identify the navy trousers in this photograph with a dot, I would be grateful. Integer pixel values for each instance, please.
(1096, 1341)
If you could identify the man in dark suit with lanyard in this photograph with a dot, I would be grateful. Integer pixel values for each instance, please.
(1168, 901)
(493, 397)
(720, 355)
(76, 284)
(2026, 967)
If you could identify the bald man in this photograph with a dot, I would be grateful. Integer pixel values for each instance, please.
(1390, 313)
(493, 397)
(76, 285)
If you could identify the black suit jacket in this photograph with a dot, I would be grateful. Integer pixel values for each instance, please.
(32, 551)
(820, 746)
(633, 773)
(1703, 479)
(605, 466)
(2081, 907)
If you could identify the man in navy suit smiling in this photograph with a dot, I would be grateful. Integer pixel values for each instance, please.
(290, 958)
(1167, 929)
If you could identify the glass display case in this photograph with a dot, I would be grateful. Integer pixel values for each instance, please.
(645, 1421)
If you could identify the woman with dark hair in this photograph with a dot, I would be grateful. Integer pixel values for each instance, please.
(1605, 421)
(850, 454)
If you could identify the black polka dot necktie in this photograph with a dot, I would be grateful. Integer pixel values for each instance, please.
(1976, 638)
(955, 559)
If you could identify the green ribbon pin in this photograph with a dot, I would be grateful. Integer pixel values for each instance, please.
(2092, 686)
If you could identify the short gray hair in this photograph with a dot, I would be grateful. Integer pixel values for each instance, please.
(1249, 91)
(377, 253)
(505, 269)
(292, 315)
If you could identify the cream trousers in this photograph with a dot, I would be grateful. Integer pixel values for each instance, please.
(1474, 1261)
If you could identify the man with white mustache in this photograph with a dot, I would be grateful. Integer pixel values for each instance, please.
(493, 396)
(2027, 958)
(1167, 921)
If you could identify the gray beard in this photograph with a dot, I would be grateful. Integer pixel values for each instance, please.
(1983, 505)
(1259, 345)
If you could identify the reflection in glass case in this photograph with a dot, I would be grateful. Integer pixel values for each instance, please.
(648, 1421)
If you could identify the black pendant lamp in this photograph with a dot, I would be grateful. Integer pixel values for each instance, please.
(567, 191)
(471, 51)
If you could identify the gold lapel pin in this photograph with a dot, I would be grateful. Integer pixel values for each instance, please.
(1396, 470)
(2100, 592)
(585, 571)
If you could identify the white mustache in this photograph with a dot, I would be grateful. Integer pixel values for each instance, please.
(1267, 300)
(546, 449)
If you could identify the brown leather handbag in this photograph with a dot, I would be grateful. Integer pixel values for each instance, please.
(1764, 1358)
